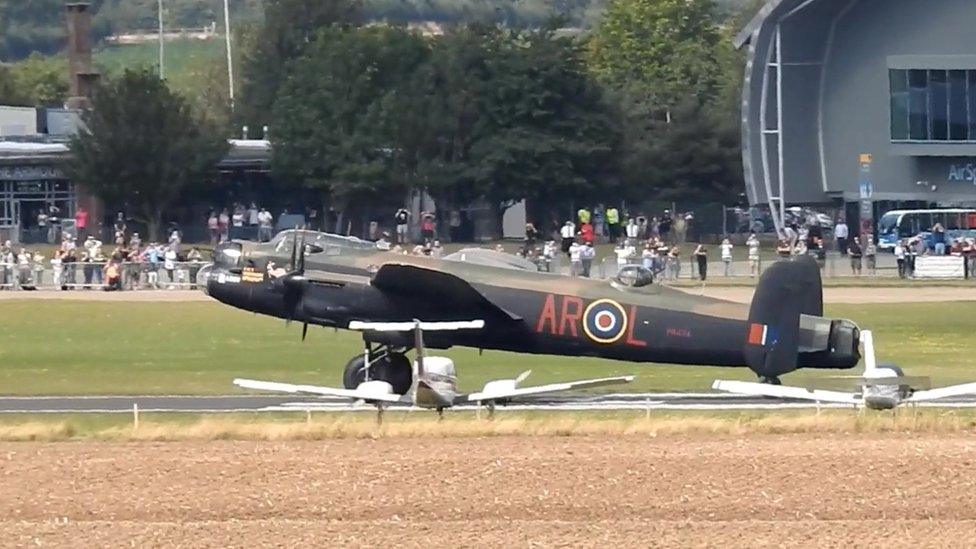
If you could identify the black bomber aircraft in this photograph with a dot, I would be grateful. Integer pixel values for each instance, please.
(335, 281)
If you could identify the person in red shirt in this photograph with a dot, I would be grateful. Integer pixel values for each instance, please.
(586, 232)
(81, 222)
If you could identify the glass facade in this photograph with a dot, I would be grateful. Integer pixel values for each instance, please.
(932, 105)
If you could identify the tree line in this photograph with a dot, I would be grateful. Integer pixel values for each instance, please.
(642, 107)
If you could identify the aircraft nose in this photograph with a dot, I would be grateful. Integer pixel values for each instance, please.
(203, 278)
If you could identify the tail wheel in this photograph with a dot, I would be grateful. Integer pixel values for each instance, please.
(394, 369)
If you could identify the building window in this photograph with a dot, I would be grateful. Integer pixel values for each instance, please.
(933, 105)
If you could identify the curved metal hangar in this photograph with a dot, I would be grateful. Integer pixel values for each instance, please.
(828, 81)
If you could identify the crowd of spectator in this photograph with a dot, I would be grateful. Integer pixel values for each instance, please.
(87, 263)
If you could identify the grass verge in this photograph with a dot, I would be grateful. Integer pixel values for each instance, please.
(322, 426)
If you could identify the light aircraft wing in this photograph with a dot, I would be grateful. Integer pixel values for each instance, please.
(507, 393)
(779, 391)
(438, 286)
(355, 394)
(410, 326)
(943, 392)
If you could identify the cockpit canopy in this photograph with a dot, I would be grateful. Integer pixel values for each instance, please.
(318, 242)
(635, 276)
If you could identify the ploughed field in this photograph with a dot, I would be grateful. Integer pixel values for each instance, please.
(66, 347)
(890, 490)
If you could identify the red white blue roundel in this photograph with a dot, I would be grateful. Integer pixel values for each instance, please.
(605, 321)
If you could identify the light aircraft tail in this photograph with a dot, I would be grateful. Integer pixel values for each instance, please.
(786, 290)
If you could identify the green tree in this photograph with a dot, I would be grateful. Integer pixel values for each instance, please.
(662, 51)
(289, 27)
(545, 133)
(43, 81)
(142, 146)
(338, 115)
(695, 157)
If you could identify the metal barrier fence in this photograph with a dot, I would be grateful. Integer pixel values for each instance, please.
(74, 276)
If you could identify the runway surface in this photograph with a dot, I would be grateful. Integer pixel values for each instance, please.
(252, 403)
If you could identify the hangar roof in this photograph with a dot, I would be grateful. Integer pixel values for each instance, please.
(753, 25)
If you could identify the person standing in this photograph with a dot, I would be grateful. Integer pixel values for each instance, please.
(586, 232)
(265, 222)
(568, 235)
(575, 258)
(701, 258)
(613, 223)
(402, 221)
(939, 239)
(54, 223)
(213, 227)
(854, 250)
(583, 215)
(969, 256)
(841, 233)
(727, 256)
(753, 244)
(223, 225)
(871, 254)
(633, 229)
(427, 227)
(81, 222)
(587, 255)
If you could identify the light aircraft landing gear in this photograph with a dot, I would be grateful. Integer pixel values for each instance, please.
(385, 364)
(770, 380)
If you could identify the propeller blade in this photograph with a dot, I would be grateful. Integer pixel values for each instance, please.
(522, 377)
(294, 249)
(304, 330)
(301, 257)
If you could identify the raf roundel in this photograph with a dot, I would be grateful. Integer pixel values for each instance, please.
(605, 321)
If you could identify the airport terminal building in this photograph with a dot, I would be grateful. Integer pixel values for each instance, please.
(830, 84)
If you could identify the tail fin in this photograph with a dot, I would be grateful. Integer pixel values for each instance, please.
(786, 290)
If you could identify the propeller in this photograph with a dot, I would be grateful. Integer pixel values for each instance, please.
(293, 283)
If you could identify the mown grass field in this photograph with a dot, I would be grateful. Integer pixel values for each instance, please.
(72, 348)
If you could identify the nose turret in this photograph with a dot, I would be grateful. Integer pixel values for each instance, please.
(203, 278)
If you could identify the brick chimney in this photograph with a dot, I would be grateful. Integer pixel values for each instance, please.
(80, 71)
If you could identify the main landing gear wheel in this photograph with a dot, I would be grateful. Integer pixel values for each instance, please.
(393, 368)
(770, 380)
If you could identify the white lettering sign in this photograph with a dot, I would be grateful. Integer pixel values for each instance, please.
(963, 172)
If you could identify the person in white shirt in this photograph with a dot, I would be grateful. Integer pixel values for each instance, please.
(587, 255)
(265, 222)
(841, 233)
(575, 259)
(633, 229)
(900, 258)
(57, 268)
(568, 234)
(169, 263)
(726, 248)
(753, 244)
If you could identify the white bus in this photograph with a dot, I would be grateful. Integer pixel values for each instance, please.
(901, 224)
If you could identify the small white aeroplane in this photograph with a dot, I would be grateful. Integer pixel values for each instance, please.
(882, 387)
(435, 383)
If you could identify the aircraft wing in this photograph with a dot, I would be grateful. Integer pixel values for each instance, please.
(354, 394)
(779, 391)
(504, 394)
(438, 286)
(943, 392)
